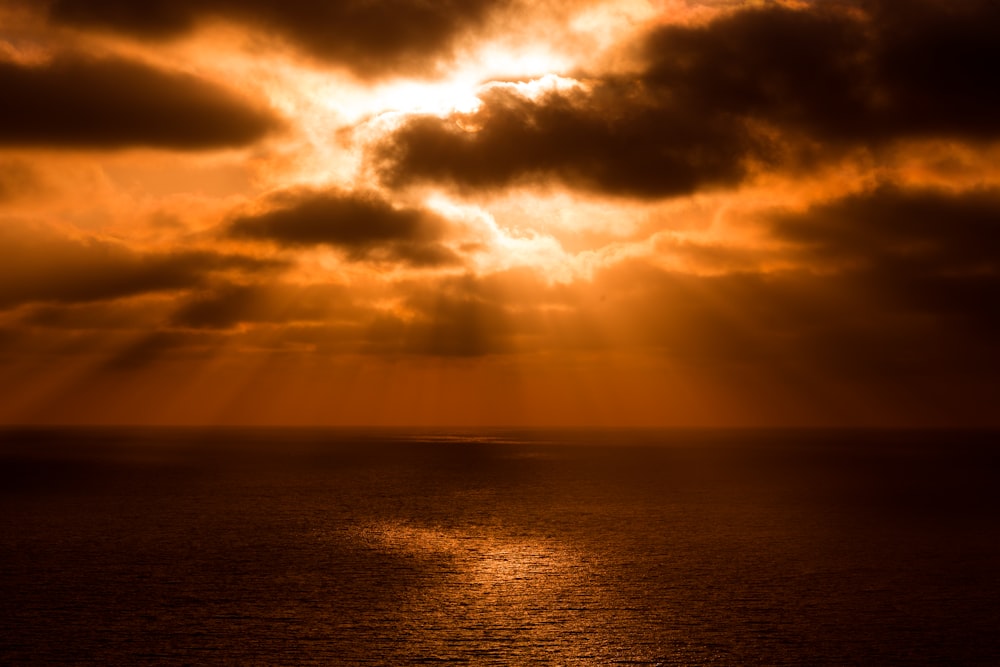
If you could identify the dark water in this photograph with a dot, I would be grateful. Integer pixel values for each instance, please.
(499, 547)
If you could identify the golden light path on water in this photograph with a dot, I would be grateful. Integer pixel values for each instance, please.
(497, 596)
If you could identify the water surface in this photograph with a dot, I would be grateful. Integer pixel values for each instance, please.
(499, 547)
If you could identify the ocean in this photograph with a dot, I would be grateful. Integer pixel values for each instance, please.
(499, 547)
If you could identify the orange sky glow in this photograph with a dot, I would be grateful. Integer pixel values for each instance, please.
(496, 212)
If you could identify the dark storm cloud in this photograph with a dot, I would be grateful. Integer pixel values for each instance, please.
(951, 231)
(752, 87)
(49, 268)
(80, 102)
(937, 252)
(363, 226)
(891, 69)
(614, 139)
(370, 37)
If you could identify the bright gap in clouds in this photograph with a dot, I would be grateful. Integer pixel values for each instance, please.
(458, 91)
(374, 110)
(336, 116)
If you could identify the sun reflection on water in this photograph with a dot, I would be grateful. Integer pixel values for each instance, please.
(499, 594)
(481, 559)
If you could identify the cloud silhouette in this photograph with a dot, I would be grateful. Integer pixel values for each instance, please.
(363, 225)
(709, 103)
(932, 251)
(370, 37)
(76, 101)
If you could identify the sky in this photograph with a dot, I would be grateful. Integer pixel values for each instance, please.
(715, 213)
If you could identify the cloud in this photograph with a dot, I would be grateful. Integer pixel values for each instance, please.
(18, 180)
(947, 231)
(933, 251)
(230, 304)
(216, 306)
(104, 316)
(364, 226)
(838, 341)
(157, 345)
(448, 326)
(42, 266)
(758, 87)
(614, 138)
(804, 258)
(866, 71)
(76, 101)
(853, 335)
(463, 316)
(370, 37)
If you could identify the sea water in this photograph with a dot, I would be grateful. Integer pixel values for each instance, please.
(499, 547)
